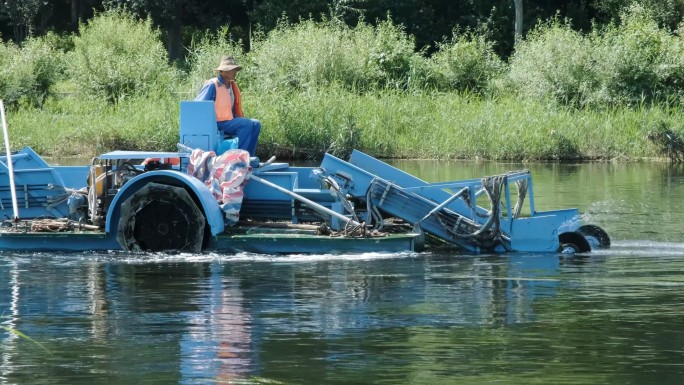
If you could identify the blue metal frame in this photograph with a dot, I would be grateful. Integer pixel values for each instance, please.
(538, 232)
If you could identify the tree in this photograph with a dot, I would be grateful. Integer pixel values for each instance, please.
(173, 15)
(21, 14)
(267, 13)
(518, 20)
(81, 9)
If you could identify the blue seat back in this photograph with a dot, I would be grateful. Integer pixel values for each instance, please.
(198, 125)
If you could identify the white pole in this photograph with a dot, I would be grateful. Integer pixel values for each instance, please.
(10, 166)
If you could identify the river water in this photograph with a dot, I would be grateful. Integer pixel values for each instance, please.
(611, 317)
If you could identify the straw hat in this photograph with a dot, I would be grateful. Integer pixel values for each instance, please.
(227, 64)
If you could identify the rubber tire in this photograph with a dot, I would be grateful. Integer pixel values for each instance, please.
(576, 239)
(567, 247)
(161, 217)
(593, 231)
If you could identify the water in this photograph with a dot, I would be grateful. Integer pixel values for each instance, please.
(612, 317)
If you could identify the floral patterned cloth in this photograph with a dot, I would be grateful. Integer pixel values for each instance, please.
(225, 176)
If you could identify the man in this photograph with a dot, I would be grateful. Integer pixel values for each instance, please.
(225, 94)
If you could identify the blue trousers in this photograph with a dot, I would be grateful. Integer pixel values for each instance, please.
(247, 131)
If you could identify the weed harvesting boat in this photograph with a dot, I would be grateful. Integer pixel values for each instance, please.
(202, 198)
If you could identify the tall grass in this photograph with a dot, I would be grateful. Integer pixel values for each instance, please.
(383, 123)
(444, 125)
(78, 127)
(204, 55)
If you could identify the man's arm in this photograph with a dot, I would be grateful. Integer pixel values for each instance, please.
(208, 92)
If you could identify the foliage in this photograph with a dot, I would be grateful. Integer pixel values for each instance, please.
(21, 14)
(554, 62)
(271, 13)
(639, 62)
(309, 55)
(309, 124)
(446, 125)
(116, 56)
(325, 86)
(172, 16)
(11, 75)
(205, 55)
(668, 13)
(467, 62)
(86, 127)
(429, 21)
(627, 64)
(28, 72)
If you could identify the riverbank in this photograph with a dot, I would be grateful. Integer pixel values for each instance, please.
(328, 87)
(389, 124)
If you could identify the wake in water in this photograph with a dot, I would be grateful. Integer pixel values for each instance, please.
(145, 258)
(644, 247)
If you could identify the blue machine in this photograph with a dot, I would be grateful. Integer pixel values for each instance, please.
(358, 205)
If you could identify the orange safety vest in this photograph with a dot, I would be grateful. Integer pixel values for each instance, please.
(223, 103)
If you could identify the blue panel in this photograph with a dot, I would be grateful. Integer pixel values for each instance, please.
(75, 177)
(539, 234)
(38, 187)
(359, 179)
(257, 191)
(305, 181)
(58, 242)
(377, 167)
(403, 179)
(198, 125)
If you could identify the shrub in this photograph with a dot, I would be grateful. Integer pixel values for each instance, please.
(116, 56)
(628, 64)
(310, 55)
(392, 52)
(466, 62)
(554, 62)
(639, 61)
(11, 75)
(28, 72)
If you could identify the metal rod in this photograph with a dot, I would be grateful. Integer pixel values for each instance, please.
(443, 204)
(309, 202)
(10, 166)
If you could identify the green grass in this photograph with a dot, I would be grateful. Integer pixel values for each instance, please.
(446, 125)
(389, 124)
(25, 337)
(82, 127)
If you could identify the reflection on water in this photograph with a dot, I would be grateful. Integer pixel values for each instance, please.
(613, 317)
(608, 318)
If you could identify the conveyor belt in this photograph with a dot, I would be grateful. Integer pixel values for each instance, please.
(445, 224)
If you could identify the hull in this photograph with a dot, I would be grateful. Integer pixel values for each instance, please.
(262, 243)
(311, 244)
